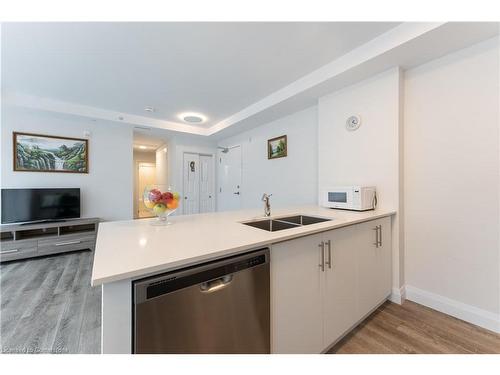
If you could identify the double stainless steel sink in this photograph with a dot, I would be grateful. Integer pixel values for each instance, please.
(288, 222)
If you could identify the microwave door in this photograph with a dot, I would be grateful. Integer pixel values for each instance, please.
(338, 199)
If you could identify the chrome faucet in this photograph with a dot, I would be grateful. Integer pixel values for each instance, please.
(267, 205)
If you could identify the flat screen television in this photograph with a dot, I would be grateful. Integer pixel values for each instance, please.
(28, 205)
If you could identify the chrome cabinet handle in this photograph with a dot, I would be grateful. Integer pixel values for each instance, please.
(68, 243)
(322, 264)
(10, 251)
(380, 235)
(329, 244)
(237, 193)
(376, 243)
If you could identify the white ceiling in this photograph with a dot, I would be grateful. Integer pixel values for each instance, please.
(239, 75)
(217, 69)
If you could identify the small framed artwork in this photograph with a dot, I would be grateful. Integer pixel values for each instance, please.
(277, 147)
(48, 153)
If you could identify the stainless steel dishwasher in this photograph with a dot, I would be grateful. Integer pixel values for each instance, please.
(217, 307)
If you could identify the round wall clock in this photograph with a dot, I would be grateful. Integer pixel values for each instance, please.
(353, 123)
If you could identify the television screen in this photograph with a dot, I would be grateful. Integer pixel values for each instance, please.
(24, 205)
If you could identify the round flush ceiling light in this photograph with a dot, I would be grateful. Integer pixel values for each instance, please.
(193, 118)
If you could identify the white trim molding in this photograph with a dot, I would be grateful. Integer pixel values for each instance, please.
(398, 295)
(469, 313)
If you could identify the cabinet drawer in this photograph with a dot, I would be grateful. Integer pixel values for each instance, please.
(65, 240)
(11, 245)
(12, 252)
(52, 247)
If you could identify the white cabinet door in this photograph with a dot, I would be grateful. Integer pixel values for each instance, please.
(385, 253)
(341, 283)
(374, 264)
(297, 296)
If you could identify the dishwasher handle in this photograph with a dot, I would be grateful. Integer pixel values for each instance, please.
(217, 284)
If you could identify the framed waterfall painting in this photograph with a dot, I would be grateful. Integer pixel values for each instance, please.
(47, 153)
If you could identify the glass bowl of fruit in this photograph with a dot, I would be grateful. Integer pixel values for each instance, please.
(162, 201)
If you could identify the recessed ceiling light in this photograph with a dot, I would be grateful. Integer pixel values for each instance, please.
(149, 109)
(193, 118)
(142, 147)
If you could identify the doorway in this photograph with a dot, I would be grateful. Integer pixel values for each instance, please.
(150, 160)
(229, 194)
(198, 183)
(146, 175)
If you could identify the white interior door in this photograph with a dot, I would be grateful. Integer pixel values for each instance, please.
(191, 186)
(206, 183)
(146, 175)
(229, 194)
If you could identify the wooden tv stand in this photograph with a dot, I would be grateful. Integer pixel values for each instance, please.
(19, 241)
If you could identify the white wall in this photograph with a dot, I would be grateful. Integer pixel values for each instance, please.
(452, 180)
(106, 190)
(292, 180)
(369, 155)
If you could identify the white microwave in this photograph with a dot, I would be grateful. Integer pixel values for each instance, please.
(357, 198)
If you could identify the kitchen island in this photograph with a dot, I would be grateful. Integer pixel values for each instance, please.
(131, 250)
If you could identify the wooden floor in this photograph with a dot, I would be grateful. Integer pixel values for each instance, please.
(413, 328)
(48, 305)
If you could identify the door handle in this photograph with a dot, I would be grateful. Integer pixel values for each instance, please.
(215, 285)
(329, 244)
(322, 264)
(380, 235)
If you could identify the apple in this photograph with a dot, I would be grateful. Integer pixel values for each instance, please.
(166, 197)
(159, 208)
(155, 195)
(176, 196)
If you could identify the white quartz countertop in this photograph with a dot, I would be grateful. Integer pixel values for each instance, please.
(135, 248)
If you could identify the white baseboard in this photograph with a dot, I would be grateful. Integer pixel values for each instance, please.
(454, 308)
(398, 295)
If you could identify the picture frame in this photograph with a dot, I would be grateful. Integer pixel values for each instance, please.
(277, 147)
(49, 153)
